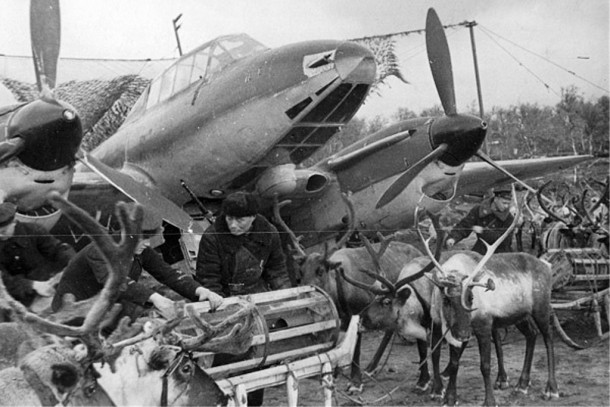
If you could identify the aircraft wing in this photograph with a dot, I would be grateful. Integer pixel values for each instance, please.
(480, 176)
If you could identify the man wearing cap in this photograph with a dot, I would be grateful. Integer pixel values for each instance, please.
(241, 252)
(29, 257)
(86, 274)
(489, 220)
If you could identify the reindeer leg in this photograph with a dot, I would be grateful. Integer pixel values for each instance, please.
(542, 322)
(355, 386)
(437, 381)
(530, 342)
(379, 353)
(454, 363)
(484, 334)
(502, 379)
(423, 383)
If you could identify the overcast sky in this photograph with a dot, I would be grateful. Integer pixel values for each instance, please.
(524, 47)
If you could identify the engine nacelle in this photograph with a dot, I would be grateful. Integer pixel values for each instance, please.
(288, 181)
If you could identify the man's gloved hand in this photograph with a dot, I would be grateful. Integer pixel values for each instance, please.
(209, 295)
(44, 288)
(164, 305)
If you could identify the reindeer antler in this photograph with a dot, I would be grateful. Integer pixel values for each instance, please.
(366, 287)
(278, 218)
(351, 219)
(470, 281)
(118, 259)
(209, 339)
(434, 258)
(542, 204)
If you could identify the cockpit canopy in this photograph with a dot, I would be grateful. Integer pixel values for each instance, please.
(201, 64)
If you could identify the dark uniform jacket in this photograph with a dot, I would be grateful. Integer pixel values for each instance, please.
(31, 254)
(494, 224)
(86, 274)
(234, 265)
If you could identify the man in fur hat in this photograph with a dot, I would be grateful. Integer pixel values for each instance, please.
(489, 220)
(241, 252)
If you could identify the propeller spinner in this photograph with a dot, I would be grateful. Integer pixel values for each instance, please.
(44, 134)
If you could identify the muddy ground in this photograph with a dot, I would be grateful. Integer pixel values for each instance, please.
(582, 375)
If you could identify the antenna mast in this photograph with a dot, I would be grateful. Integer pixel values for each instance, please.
(176, 27)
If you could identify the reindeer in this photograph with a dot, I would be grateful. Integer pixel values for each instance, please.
(576, 230)
(57, 372)
(60, 372)
(410, 306)
(163, 363)
(325, 270)
(517, 291)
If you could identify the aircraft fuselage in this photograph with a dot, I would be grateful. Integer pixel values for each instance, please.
(214, 131)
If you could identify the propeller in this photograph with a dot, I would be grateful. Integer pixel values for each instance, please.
(45, 32)
(439, 59)
(143, 194)
(44, 134)
(454, 137)
(405, 179)
(11, 148)
(491, 162)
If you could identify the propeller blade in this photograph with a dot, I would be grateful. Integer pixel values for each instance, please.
(440, 61)
(143, 194)
(405, 179)
(45, 32)
(11, 148)
(491, 162)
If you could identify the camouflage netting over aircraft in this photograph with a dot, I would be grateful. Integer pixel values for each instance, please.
(385, 58)
(102, 104)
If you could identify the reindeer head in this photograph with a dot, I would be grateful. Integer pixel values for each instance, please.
(390, 297)
(315, 267)
(159, 359)
(457, 277)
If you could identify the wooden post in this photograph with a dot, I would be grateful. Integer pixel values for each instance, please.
(327, 380)
(292, 389)
(241, 396)
(607, 302)
(597, 316)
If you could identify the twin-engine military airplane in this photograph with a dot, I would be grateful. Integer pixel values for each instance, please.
(235, 115)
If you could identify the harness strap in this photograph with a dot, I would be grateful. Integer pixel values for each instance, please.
(176, 363)
(343, 304)
(170, 369)
(44, 393)
(427, 318)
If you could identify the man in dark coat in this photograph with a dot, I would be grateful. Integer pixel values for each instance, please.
(241, 252)
(29, 257)
(489, 220)
(86, 274)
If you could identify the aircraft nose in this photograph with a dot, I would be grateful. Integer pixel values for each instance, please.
(355, 63)
(463, 134)
(52, 133)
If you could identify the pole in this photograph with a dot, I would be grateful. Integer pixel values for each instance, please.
(471, 25)
(176, 27)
